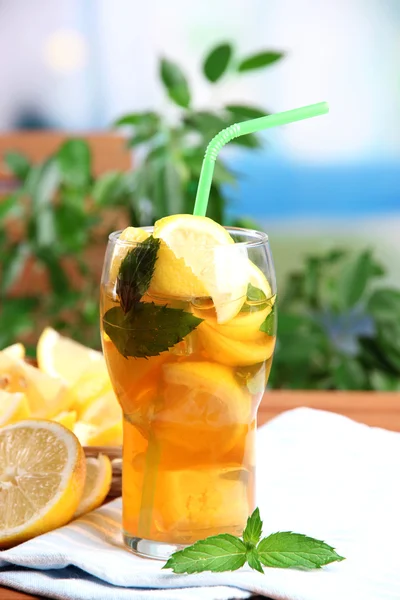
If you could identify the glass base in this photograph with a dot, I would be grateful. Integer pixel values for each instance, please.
(151, 549)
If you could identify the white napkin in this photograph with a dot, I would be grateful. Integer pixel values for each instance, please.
(318, 473)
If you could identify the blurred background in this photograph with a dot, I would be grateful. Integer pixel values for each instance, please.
(165, 77)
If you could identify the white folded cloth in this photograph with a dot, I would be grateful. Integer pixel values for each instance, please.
(318, 473)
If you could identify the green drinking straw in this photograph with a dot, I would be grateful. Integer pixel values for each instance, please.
(238, 129)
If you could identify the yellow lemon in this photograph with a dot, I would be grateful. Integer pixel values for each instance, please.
(46, 395)
(234, 352)
(42, 475)
(104, 409)
(13, 407)
(204, 409)
(95, 382)
(67, 418)
(97, 484)
(59, 356)
(16, 351)
(210, 253)
(95, 435)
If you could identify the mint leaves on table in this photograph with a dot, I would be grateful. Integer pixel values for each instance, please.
(147, 329)
(136, 271)
(226, 552)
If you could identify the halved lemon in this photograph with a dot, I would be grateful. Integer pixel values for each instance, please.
(210, 253)
(97, 484)
(46, 395)
(16, 351)
(13, 407)
(42, 475)
(204, 409)
(59, 356)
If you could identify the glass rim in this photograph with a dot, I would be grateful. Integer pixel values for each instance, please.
(260, 237)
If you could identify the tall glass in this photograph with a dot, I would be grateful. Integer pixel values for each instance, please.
(190, 411)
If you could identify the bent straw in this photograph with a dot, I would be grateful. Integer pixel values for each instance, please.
(238, 129)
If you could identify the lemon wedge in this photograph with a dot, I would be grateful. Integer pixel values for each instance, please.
(47, 396)
(213, 258)
(59, 356)
(97, 484)
(97, 435)
(104, 409)
(67, 418)
(42, 476)
(13, 407)
(15, 351)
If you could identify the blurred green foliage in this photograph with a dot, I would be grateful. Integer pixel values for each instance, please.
(59, 205)
(337, 329)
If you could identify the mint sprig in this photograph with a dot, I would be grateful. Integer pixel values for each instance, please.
(226, 552)
(147, 329)
(136, 271)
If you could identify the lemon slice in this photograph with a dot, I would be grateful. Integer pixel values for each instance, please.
(204, 408)
(97, 484)
(210, 253)
(15, 351)
(46, 395)
(234, 352)
(258, 279)
(67, 418)
(59, 356)
(105, 409)
(42, 475)
(95, 435)
(13, 407)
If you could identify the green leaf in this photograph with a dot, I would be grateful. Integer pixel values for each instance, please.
(268, 326)
(384, 305)
(75, 163)
(241, 112)
(7, 205)
(42, 184)
(253, 561)
(13, 265)
(384, 382)
(349, 375)
(355, 278)
(147, 329)
(254, 294)
(110, 189)
(250, 140)
(175, 82)
(206, 122)
(58, 279)
(217, 62)
(18, 164)
(287, 549)
(217, 553)
(136, 271)
(253, 529)
(144, 118)
(259, 61)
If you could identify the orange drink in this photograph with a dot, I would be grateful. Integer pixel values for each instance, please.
(188, 332)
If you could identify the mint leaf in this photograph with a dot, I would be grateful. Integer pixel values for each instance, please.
(287, 549)
(136, 271)
(147, 329)
(252, 532)
(253, 561)
(254, 294)
(217, 553)
(268, 325)
(226, 552)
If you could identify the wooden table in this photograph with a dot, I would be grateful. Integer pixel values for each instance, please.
(378, 409)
